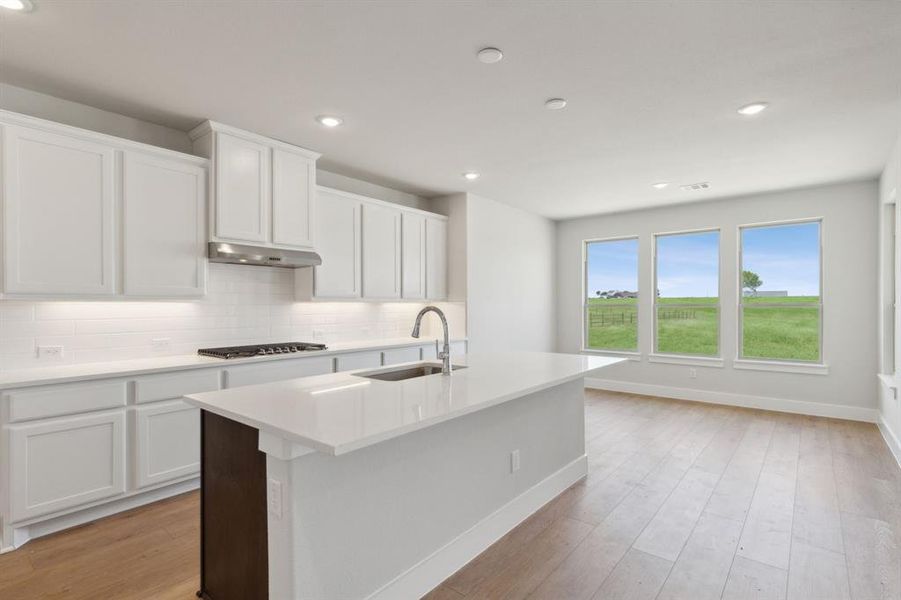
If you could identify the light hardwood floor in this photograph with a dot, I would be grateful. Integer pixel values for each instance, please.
(683, 501)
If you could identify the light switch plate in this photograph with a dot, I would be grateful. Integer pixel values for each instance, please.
(514, 461)
(275, 498)
(50, 352)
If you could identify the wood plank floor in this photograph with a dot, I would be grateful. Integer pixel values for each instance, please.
(683, 501)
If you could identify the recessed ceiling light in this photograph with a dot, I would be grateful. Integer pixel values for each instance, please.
(555, 103)
(660, 185)
(326, 120)
(471, 175)
(22, 5)
(490, 55)
(753, 108)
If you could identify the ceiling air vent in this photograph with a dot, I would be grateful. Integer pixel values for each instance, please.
(693, 187)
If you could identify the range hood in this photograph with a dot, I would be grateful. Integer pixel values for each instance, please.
(221, 252)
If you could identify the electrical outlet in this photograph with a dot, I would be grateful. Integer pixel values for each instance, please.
(514, 461)
(159, 344)
(317, 334)
(50, 352)
(692, 373)
(275, 498)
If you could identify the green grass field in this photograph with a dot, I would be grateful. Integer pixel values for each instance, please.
(788, 333)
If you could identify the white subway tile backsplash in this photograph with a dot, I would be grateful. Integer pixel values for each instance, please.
(244, 305)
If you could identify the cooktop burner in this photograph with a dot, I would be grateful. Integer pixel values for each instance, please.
(260, 349)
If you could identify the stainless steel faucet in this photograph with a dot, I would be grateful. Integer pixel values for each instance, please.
(445, 354)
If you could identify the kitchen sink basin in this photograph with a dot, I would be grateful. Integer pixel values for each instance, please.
(406, 372)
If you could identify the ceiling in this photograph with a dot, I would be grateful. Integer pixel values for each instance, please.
(652, 87)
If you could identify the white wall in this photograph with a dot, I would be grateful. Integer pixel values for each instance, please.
(244, 305)
(510, 278)
(850, 232)
(890, 293)
(39, 105)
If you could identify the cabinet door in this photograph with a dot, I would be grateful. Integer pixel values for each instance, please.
(358, 360)
(436, 258)
(337, 233)
(400, 355)
(164, 234)
(168, 442)
(293, 187)
(381, 251)
(59, 464)
(413, 279)
(278, 370)
(58, 203)
(243, 193)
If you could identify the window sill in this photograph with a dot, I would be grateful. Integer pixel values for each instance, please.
(637, 356)
(693, 361)
(781, 367)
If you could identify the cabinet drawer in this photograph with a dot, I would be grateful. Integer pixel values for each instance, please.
(456, 348)
(175, 385)
(400, 355)
(277, 371)
(63, 463)
(358, 360)
(168, 442)
(37, 403)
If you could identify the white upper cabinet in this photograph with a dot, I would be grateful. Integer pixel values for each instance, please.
(293, 189)
(337, 232)
(414, 272)
(381, 252)
(375, 250)
(262, 188)
(58, 203)
(164, 232)
(436, 258)
(242, 188)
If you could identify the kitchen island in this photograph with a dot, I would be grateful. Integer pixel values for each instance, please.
(354, 485)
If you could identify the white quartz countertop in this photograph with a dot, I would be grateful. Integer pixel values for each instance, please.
(342, 412)
(143, 366)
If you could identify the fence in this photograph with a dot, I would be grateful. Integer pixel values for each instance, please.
(608, 318)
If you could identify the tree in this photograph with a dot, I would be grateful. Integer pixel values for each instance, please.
(751, 281)
(598, 293)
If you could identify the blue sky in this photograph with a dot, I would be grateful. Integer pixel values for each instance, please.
(613, 266)
(688, 264)
(786, 257)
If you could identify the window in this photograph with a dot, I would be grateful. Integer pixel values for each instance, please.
(686, 305)
(781, 292)
(611, 286)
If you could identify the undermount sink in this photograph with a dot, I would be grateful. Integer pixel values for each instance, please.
(406, 372)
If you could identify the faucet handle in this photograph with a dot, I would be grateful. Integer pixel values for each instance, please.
(437, 351)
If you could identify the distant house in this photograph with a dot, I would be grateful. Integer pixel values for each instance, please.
(610, 294)
(766, 293)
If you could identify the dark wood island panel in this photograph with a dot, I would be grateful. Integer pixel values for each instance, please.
(234, 555)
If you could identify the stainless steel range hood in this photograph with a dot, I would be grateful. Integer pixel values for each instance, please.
(222, 252)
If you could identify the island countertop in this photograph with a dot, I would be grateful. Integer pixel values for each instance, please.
(342, 412)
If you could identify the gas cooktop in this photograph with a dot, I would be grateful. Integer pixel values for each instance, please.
(260, 349)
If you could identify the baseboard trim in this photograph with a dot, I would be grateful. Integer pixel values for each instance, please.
(800, 407)
(22, 534)
(431, 571)
(891, 440)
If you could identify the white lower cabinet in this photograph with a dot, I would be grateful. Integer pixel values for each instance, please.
(167, 442)
(66, 462)
(400, 355)
(278, 371)
(358, 360)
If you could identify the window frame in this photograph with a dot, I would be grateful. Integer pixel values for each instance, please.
(700, 359)
(636, 353)
(752, 361)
